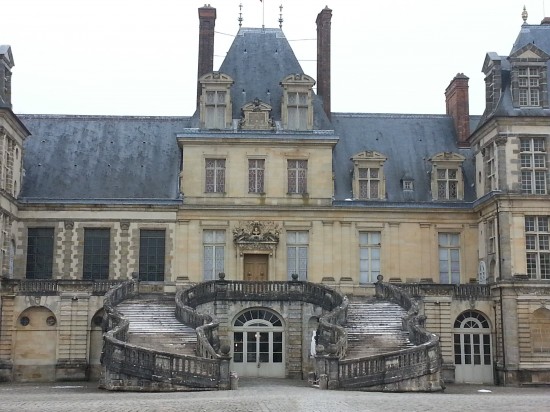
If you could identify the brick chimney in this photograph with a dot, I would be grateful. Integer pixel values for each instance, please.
(323, 57)
(207, 18)
(456, 99)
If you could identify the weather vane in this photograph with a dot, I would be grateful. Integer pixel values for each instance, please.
(240, 15)
(281, 16)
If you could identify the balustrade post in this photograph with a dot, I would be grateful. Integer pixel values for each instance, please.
(225, 373)
(333, 368)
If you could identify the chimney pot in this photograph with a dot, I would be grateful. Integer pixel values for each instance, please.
(207, 19)
(457, 104)
(323, 57)
(545, 21)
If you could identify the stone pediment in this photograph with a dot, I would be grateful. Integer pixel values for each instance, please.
(256, 115)
(298, 79)
(257, 235)
(447, 157)
(530, 51)
(491, 59)
(216, 77)
(369, 155)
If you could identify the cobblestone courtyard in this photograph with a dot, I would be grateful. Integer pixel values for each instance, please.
(268, 395)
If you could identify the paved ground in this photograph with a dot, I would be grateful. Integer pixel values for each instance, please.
(269, 395)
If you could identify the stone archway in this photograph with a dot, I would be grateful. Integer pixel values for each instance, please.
(96, 345)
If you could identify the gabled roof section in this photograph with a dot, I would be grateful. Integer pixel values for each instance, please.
(258, 60)
(101, 159)
(539, 35)
(530, 51)
(6, 55)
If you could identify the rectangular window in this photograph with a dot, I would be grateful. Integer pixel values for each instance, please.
(151, 255)
(537, 246)
(449, 258)
(215, 176)
(447, 184)
(297, 110)
(214, 253)
(369, 256)
(529, 86)
(491, 237)
(369, 183)
(96, 254)
(215, 109)
(297, 176)
(40, 253)
(256, 172)
(297, 244)
(490, 168)
(533, 165)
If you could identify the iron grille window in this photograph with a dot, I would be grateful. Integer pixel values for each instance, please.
(533, 165)
(537, 246)
(40, 253)
(447, 184)
(449, 258)
(297, 176)
(491, 236)
(151, 255)
(490, 168)
(215, 176)
(529, 86)
(256, 172)
(96, 254)
(369, 182)
(297, 252)
(214, 253)
(369, 256)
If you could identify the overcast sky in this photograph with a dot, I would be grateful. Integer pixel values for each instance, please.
(139, 57)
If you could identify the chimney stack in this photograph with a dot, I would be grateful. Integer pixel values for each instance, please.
(323, 57)
(207, 18)
(457, 102)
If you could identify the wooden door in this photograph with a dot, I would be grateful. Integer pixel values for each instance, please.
(255, 267)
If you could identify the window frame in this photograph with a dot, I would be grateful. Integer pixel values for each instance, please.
(256, 176)
(537, 246)
(533, 177)
(40, 257)
(96, 253)
(451, 275)
(297, 176)
(215, 175)
(217, 246)
(149, 242)
(370, 245)
(297, 253)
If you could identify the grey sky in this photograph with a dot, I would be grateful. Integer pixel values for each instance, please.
(139, 57)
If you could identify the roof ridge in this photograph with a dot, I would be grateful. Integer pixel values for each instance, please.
(98, 117)
(392, 115)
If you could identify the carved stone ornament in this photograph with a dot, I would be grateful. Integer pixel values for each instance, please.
(124, 225)
(256, 115)
(257, 233)
(69, 225)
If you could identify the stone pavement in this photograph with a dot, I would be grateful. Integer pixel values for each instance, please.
(268, 395)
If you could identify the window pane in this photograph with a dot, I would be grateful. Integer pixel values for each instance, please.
(40, 253)
(152, 255)
(96, 254)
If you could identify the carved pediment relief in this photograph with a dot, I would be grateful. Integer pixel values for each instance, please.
(447, 157)
(258, 233)
(215, 77)
(256, 115)
(530, 51)
(298, 79)
(369, 155)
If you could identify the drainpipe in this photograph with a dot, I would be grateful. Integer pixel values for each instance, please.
(500, 292)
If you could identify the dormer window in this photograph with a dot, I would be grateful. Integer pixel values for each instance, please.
(529, 77)
(368, 175)
(215, 102)
(256, 115)
(408, 185)
(447, 178)
(297, 103)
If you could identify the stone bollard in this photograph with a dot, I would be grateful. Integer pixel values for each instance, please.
(323, 381)
(234, 381)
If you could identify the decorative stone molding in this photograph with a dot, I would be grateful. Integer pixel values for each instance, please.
(69, 225)
(125, 225)
(256, 115)
(255, 235)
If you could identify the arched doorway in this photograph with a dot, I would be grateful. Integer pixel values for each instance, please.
(96, 345)
(258, 343)
(35, 346)
(472, 348)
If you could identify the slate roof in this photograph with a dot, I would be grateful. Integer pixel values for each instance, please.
(408, 141)
(257, 61)
(101, 158)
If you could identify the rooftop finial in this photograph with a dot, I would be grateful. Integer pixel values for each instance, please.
(281, 16)
(524, 15)
(240, 15)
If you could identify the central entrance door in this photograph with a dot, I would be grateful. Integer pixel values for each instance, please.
(255, 267)
(258, 344)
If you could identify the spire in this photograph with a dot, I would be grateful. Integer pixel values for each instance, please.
(240, 19)
(524, 15)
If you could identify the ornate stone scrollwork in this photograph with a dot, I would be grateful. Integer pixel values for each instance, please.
(255, 235)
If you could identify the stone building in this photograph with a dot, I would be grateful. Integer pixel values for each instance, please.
(264, 182)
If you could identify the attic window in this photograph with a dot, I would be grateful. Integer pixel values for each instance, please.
(408, 185)
(368, 175)
(529, 77)
(297, 103)
(529, 86)
(215, 101)
(447, 177)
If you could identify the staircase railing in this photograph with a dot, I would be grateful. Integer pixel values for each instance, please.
(161, 370)
(422, 360)
(465, 291)
(331, 333)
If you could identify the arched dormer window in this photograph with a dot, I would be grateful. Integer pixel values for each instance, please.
(447, 178)
(297, 103)
(369, 181)
(215, 102)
